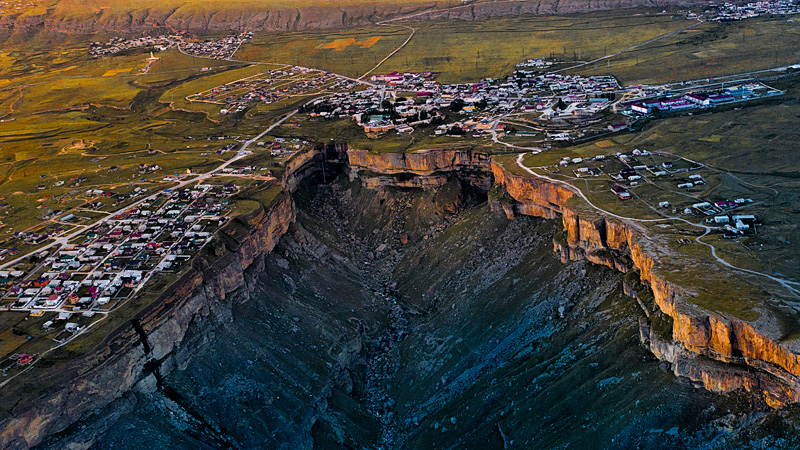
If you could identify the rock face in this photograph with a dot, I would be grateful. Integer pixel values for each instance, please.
(72, 16)
(762, 365)
(771, 370)
(420, 163)
(165, 340)
(423, 169)
(148, 344)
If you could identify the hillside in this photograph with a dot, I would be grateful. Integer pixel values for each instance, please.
(137, 16)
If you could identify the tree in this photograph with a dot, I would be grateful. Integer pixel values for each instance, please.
(423, 115)
(457, 105)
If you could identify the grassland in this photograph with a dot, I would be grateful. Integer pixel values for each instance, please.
(744, 152)
(708, 50)
(463, 51)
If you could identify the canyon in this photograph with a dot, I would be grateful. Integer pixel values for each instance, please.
(417, 300)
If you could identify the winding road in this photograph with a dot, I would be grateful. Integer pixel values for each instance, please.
(792, 286)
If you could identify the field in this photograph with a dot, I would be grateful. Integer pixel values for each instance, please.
(462, 51)
(708, 50)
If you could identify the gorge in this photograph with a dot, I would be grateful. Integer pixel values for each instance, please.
(306, 323)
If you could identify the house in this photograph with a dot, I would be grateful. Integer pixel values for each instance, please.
(699, 99)
(388, 78)
(614, 127)
(403, 128)
(676, 104)
(721, 98)
(378, 126)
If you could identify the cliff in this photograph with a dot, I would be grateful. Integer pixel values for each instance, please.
(718, 351)
(424, 162)
(128, 17)
(752, 360)
(422, 169)
(61, 391)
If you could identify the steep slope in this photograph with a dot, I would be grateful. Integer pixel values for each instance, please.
(470, 334)
(130, 16)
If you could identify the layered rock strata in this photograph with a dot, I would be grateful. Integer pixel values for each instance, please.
(752, 360)
(721, 353)
(423, 169)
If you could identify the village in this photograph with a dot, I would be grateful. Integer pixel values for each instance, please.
(668, 184)
(80, 264)
(94, 272)
(222, 48)
(730, 11)
(273, 86)
(400, 102)
(110, 261)
(543, 106)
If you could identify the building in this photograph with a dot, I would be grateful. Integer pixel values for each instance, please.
(614, 127)
(699, 99)
(676, 104)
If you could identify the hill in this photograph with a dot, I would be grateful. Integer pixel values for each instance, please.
(137, 16)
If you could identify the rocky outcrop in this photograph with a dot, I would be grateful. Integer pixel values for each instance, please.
(753, 361)
(423, 169)
(72, 16)
(426, 162)
(298, 166)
